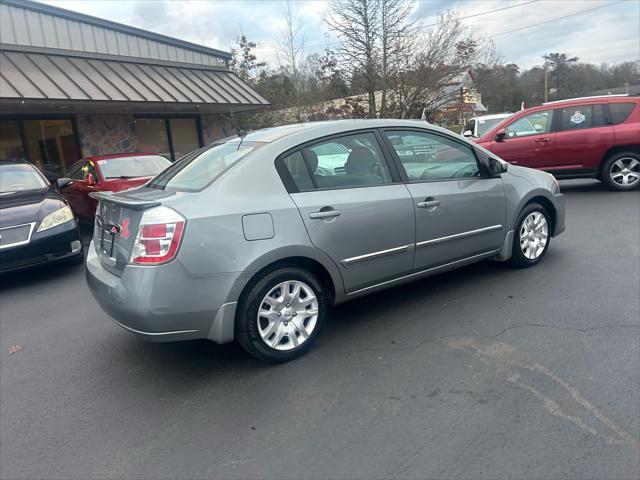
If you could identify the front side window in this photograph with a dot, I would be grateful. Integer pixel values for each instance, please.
(198, 169)
(76, 172)
(428, 157)
(131, 167)
(486, 124)
(344, 162)
(581, 116)
(532, 124)
(620, 111)
(19, 178)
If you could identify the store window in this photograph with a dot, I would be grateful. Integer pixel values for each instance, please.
(52, 145)
(184, 136)
(153, 136)
(170, 137)
(11, 147)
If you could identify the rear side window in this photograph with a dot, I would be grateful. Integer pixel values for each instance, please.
(299, 171)
(582, 116)
(620, 111)
(344, 162)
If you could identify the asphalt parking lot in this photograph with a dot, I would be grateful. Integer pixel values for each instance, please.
(484, 372)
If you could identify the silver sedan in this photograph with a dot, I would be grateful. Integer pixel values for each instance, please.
(255, 237)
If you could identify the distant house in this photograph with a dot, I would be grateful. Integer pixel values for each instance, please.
(457, 101)
(460, 100)
(72, 85)
(630, 89)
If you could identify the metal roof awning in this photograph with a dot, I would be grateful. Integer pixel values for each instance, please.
(40, 81)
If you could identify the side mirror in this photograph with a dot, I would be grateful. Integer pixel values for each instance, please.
(497, 167)
(63, 182)
(467, 133)
(500, 135)
(91, 179)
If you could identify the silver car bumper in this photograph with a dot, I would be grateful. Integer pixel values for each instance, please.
(164, 303)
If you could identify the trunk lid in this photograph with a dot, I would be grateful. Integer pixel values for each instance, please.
(118, 217)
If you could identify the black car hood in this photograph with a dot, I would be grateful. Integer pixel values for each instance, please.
(26, 207)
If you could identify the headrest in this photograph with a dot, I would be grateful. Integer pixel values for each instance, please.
(360, 160)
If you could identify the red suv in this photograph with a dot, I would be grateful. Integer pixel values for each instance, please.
(592, 137)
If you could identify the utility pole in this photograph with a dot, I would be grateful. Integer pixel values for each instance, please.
(546, 82)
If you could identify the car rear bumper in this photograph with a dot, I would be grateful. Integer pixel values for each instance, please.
(164, 303)
(559, 203)
(53, 245)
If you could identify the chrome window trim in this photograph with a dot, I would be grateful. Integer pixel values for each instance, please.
(458, 235)
(423, 272)
(174, 332)
(368, 256)
(22, 242)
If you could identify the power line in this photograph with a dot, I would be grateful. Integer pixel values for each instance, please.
(477, 14)
(424, 26)
(491, 11)
(554, 19)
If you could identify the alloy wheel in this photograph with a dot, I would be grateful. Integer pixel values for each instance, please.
(625, 171)
(534, 234)
(287, 315)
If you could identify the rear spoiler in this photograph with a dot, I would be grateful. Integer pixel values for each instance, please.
(123, 200)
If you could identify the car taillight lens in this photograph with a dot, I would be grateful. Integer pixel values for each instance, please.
(158, 237)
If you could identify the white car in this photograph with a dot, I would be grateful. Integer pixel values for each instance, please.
(478, 126)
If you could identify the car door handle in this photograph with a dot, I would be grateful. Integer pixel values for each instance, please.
(543, 140)
(325, 214)
(429, 204)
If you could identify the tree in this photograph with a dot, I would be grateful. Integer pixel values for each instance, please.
(440, 56)
(291, 40)
(500, 87)
(559, 64)
(244, 61)
(357, 23)
(394, 44)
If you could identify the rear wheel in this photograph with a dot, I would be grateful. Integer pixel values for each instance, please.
(280, 317)
(622, 171)
(532, 235)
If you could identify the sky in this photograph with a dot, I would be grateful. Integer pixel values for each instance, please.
(596, 31)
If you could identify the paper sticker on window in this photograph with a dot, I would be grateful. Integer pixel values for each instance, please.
(101, 162)
(577, 117)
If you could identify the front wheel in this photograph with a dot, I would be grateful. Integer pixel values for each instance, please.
(622, 171)
(531, 239)
(280, 317)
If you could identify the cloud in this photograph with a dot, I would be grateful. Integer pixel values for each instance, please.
(606, 35)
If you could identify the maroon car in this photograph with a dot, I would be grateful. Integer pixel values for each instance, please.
(111, 173)
(593, 137)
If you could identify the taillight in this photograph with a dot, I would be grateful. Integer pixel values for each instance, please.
(158, 238)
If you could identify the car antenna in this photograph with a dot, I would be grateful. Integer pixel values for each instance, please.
(239, 132)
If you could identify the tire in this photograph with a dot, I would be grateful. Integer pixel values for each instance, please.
(529, 234)
(621, 171)
(258, 335)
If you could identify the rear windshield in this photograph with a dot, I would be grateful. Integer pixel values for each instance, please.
(198, 169)
(131, 167)
(20, 178)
